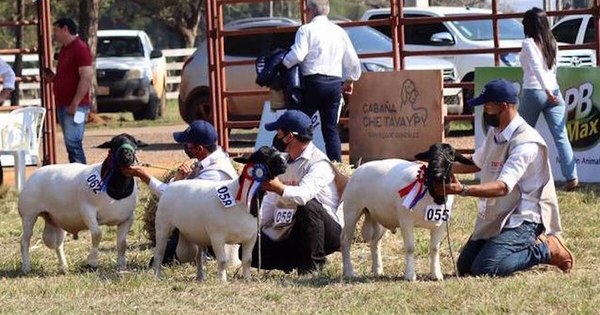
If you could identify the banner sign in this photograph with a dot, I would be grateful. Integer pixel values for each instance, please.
(395, 114)
(579, 87)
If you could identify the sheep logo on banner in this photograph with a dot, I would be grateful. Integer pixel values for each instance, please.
(409, 98)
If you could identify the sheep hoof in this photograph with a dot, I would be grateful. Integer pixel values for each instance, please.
(437, 276)
(410, 277)
(26, 269)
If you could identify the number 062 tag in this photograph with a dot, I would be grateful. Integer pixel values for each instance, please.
(437, 213)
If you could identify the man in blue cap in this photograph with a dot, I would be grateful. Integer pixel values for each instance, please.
(300, 224)
(207, 161)
(518, 222)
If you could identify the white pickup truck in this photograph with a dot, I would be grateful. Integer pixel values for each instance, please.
(469, 35)
(131, 74)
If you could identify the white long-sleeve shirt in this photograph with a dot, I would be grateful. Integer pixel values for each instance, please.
(157, 187)
(322, 47)
(318, 183)
(536, 75)
(525, 167)
(8, 75)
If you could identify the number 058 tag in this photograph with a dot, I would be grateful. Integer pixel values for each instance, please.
(437, 213)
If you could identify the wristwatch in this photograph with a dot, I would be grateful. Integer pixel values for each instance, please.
(465, 190)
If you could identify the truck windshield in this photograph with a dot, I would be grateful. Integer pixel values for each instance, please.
(482, 29)
(126, 46)
(366, 39)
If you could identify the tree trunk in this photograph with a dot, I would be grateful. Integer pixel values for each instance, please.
(88, 29)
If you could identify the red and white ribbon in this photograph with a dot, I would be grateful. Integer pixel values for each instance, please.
(412, 193)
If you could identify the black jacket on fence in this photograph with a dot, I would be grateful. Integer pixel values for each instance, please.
(271, 72)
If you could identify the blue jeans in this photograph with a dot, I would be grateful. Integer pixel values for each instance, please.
(535, 102)
(73, 133)
(323, 94)
(512, 250)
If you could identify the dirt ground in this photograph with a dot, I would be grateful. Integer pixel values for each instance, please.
(163, 152)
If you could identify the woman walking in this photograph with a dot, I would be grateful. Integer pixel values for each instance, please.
(541, 93)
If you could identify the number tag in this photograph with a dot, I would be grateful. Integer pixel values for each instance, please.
(284, 216)
(437, 213)
(94, 182)
(226, 198)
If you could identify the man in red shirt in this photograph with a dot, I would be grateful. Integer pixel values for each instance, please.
(72, 84)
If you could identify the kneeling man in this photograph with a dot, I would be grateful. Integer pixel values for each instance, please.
(518, 221)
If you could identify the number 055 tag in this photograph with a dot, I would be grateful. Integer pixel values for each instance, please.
(437, 213)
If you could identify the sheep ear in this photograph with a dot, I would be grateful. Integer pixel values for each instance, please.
(423, 156)
(463, 159)
(105, 145)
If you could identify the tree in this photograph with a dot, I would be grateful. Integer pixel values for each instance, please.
(182, 16)
(88, 29)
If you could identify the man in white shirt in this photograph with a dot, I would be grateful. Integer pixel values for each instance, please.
(518, 222)
(8, 85)
(329, 65)
(300, 224)
(207, 161)
(8, 81)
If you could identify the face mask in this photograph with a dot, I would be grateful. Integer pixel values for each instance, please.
(188, 151)
(279, 144)
(491, 119)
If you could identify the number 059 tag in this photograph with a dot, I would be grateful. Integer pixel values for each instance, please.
(437, 213)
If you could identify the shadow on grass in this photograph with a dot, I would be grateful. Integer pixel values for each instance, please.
(328, 279)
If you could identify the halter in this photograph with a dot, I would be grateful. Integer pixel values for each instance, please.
(112, 165)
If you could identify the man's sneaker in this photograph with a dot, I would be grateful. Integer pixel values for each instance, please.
(560, 255)
(571, 184)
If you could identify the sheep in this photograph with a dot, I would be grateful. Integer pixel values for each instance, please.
(374, 189)
(76, 197)
(210, 213)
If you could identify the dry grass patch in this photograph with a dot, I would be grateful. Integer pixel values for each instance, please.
(541, 290)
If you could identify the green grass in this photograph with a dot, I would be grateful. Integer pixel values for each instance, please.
(539, 291)
(125, 119)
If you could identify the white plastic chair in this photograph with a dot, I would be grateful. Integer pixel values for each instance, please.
(20, 133)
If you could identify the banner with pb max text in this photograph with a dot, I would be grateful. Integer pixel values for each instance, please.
(581, 92)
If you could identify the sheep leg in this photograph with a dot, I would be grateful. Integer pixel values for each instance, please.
(122, 230)
(247, 256)
(28, 223)
(162, 232)
(376, 262)
(218, 246)
(200, 264)
(351, 216)
(233, 255)
(409, 248)
(89, 218)
(437, 234)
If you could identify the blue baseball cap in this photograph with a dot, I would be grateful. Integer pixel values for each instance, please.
(293, 121)
(500, 90)
(198, 132)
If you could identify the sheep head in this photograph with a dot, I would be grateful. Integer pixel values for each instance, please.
(122, 148)
(275, 161)
(440, 156)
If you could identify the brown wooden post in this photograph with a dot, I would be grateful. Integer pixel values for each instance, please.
(45, 61)
(496, 33)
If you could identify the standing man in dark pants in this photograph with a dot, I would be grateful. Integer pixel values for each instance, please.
(329, 66)
(72, 84)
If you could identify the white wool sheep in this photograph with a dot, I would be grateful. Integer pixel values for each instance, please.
(374, 189)
(70, 198)
(207, 214)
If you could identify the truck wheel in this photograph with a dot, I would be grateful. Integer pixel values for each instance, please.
(151, 110)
